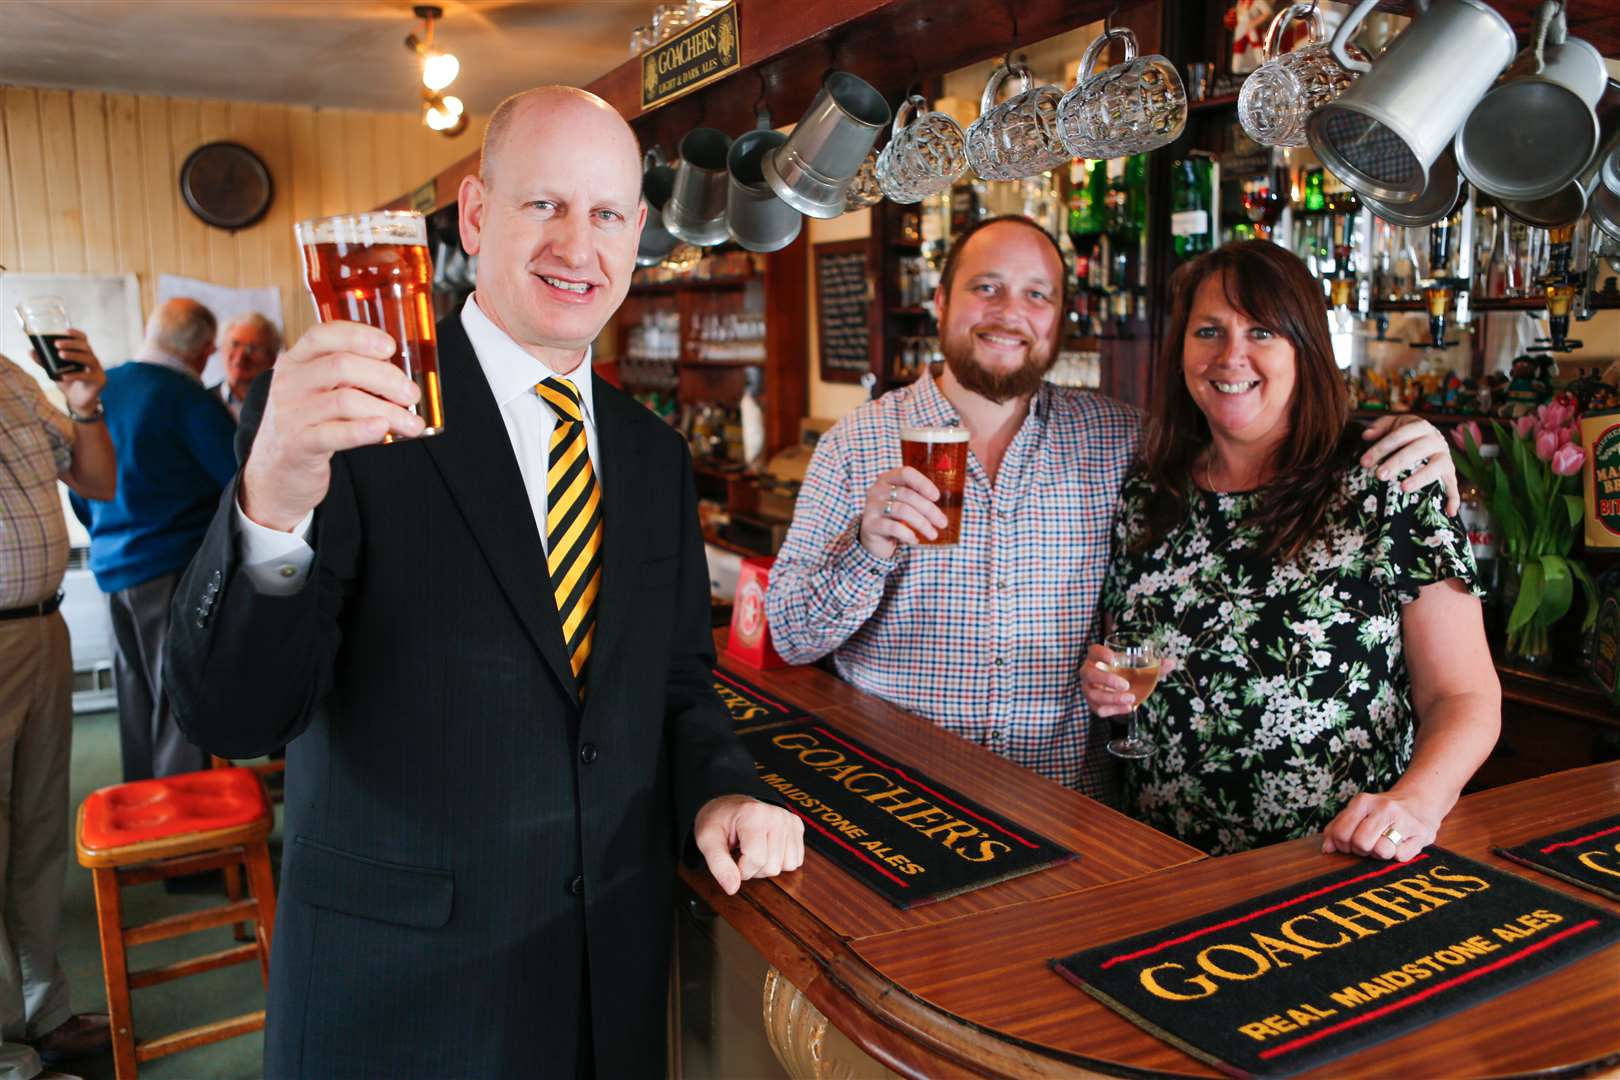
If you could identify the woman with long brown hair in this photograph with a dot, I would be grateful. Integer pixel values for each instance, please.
(1331, 673)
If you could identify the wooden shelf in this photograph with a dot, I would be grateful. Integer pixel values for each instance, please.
(718, 364)
(1431, 417)
(1223, 101)
(1494, 303)
(1557, 693)
(669, 288)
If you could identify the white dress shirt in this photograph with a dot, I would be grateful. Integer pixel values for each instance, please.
(278, 562)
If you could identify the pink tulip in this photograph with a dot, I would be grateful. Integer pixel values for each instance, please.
(1572, 435)
(1462, 433)
(1524, 425)
(1546, 445)
(1567, 461)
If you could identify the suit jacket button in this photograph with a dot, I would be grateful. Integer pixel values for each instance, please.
(577, 885)
(587, 753)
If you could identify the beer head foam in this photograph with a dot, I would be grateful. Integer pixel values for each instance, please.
(934, 434)
(375, 227)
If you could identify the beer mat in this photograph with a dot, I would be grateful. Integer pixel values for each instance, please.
(904, 834)
(1301, 976)
(1587, 855)
(750, 706)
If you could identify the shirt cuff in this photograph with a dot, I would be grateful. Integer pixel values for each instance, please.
(857, 573)
(276, 562)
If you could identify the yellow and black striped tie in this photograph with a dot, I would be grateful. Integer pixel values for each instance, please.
(573, 525)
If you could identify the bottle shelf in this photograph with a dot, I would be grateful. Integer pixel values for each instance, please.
(1495, 303)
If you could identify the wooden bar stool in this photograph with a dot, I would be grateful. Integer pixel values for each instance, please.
(276, 767)
(130, 834)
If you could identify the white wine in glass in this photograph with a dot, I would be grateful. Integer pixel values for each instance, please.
(1136, 660)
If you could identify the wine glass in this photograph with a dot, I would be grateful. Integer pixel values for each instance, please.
(1136, 659)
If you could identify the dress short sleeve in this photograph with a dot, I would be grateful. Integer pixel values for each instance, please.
(1421, 544)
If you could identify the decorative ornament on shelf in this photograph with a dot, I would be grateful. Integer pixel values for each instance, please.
(1532, 492)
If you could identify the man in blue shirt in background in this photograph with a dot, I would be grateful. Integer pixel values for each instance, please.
(175, 456)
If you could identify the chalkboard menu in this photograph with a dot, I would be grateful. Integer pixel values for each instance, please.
(843, 301)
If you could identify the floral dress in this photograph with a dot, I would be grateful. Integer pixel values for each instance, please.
(1292, 694)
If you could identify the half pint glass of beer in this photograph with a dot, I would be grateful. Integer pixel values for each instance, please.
(373, 268)
(940, 453)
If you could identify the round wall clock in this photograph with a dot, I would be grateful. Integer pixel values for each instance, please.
(226, 185)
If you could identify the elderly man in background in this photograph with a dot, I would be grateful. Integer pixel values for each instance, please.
(250, 344)
(39, 446)
(175, 456)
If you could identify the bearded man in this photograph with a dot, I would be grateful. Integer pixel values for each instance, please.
(986, 637)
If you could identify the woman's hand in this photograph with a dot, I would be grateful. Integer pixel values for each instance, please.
(1384, 825)
(1109, 694)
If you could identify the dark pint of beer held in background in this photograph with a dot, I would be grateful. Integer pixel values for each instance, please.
(939, 453)
(374, 268)
(44, 320)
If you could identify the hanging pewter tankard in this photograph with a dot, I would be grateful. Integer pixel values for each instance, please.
(1382, 134)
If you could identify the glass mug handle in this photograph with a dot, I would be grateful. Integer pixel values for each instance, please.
(992, 89)
(908, 109)
(1347, 30)
(1274, 36)
(1099, 45)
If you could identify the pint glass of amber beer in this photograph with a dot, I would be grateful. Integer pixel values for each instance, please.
(939, 453)
(373, 268)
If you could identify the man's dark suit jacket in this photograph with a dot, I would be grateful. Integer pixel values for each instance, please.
(464, 842)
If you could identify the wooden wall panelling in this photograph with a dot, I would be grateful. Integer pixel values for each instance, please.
(61, 180)
(28, 181)
(247, 124)
(9, 250)
(190, 234)
(329, 159)
(128, 186)
(100, 232)
(214, 125)
(359, 168)
(157, 166)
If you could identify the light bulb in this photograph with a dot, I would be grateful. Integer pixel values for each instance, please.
(439, 70)
(438, 119)
(451, 105)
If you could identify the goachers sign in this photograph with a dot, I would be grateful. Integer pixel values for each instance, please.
(1301, 976)
(697, 55)
(1588, 856)
(909, 837)
(750, 706)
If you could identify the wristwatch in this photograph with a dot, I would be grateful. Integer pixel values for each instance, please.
(89, 418)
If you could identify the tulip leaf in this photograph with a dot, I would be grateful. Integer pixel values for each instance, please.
(1577, 508)
(1529, 602)
(1558, 589)
(1578, 569)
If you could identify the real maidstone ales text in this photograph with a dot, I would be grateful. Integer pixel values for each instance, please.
(388, 286)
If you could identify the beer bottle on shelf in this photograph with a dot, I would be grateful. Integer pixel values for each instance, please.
(1190, 199)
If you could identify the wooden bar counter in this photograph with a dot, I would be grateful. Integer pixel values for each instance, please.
(962, 987)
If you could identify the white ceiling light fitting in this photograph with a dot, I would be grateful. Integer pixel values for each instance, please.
(442, 112)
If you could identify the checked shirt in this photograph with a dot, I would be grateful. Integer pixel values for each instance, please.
(986, 638)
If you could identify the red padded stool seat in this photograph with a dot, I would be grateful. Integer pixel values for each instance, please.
(146, 810)
(149, 830)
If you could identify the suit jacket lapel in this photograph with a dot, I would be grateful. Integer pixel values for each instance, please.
(475, 457)
(623, 526)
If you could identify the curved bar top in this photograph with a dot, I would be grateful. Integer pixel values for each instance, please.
(962, 987)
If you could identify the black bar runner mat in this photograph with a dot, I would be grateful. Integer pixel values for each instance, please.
(1295, 978)
(750, 706)
(897, 830)
(1588, 856)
